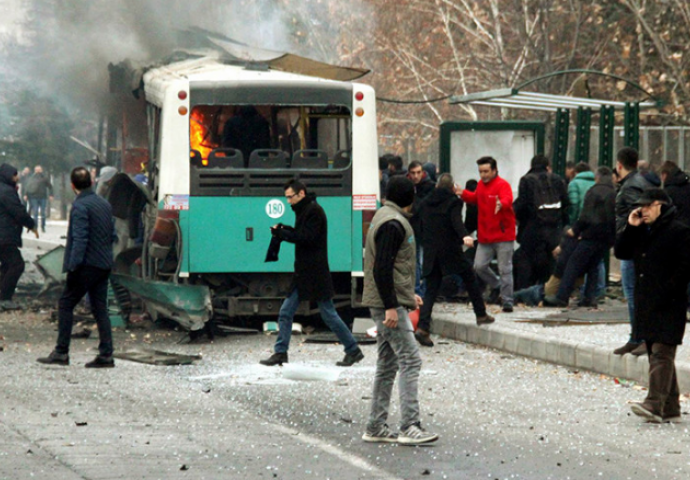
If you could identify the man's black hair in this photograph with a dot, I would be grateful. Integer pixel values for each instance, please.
(400, 191)
(471, 185)
(415, 164)
(605, 175)
(383, 163)
(669, 168)
(295, 185)
(80, 178)
(569, 164)
(488, 160)
(628, 157)
(582, 167)
(396, 161)
(540, 161)
(446, 181)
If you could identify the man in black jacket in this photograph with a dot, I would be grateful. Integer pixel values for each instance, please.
(88, 261)
(595, 231)
(541, 211)
(13, 216)
(312, 280)
(658, 244)
(677, 185)
(443, 236)
(631, 184)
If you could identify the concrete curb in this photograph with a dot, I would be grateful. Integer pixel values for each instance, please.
(578, 355)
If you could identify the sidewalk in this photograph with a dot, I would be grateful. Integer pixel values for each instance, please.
(581, 347)
(56, 231)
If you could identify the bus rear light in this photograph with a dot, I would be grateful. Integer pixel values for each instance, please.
(359, 96)
(182, 95)
(182, 110)
(359, 112)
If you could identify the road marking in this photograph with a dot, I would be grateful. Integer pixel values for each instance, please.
(353, 460)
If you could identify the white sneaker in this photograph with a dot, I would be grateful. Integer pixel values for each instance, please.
(383, 435)
(416, 435)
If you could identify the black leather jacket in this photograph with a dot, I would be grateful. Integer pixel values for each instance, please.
(629, 191)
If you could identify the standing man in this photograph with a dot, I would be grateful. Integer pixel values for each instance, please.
(389, 271)
(88, 261)
(677, 185)
(13, 216)
(657, 242)
(631, 184)
(423, 186)
(443, 236)
(38, 189)
(495, 231)
(23, 183)
(541, 211)
(312, 280)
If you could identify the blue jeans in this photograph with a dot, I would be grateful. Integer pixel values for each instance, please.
(628, 281)
(419, 282)
(397, 351)
(601, 283)
(36, 204)
(328, 314)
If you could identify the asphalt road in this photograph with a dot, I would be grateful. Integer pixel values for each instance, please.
(499, 416)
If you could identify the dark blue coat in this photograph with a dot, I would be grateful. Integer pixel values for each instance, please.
(13, 215)
(91, 233)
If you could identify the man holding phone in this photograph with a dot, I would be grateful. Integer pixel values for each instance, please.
(656, 241)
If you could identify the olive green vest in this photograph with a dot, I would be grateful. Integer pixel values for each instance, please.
(405, 262)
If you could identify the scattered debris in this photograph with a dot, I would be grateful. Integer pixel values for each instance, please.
(184, 467)
(157, 357)
(83, 333)
(362, 339)
(81, 424)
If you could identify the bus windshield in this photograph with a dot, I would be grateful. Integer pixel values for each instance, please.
(270, 136)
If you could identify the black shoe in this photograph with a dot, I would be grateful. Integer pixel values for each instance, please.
(55, 359)
(508, 307)
(554, 301)
(494, 296)
(424, 338)
(627, 348)
(351, 358)
(101, 362)
(275, 359)
(485, 319)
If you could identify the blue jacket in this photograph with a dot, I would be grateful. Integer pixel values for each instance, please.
(13, 215)
(91, 233)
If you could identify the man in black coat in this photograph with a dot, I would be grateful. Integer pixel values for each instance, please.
(657, 242)
(13, 216)
(595, 233)
(541, 211)
(88, 261)
(677, 185)
(443, 235)
(312, 280)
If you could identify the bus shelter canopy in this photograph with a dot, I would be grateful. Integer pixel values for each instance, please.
(514, 98)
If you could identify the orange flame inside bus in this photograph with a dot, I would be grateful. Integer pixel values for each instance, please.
(198, 135)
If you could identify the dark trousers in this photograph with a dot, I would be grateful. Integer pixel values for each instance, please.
(584, 259)
(11, 269)
(663, 397)
(533, 262)
(93, 281)
(433, 284)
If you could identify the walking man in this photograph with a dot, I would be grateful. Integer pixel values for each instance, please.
(631, 185)
(389, 274)
(38, 189)
(88, 261)
(13, 217)
(495, 231)
(443, 236)
(312, 280)
(657, 242)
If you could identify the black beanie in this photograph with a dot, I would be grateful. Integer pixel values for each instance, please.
(400, 191)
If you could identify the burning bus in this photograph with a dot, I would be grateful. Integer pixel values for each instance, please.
(219, 131)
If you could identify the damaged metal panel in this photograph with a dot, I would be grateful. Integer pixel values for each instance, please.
(188, 305)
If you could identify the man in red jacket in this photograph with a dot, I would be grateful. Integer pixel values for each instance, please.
(495, 231)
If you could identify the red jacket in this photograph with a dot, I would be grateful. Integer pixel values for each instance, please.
(493, 227)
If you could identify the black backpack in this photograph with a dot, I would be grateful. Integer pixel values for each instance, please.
(547, 198)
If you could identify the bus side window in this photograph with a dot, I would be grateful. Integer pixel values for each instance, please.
(310, 158)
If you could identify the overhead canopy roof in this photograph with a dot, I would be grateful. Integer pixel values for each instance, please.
(514, 98)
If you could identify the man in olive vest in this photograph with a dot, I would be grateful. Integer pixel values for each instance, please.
(389, 280)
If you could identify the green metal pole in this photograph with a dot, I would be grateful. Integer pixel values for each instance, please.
(606, 124)
(632, 125)
(560, 141)
(582, 134)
